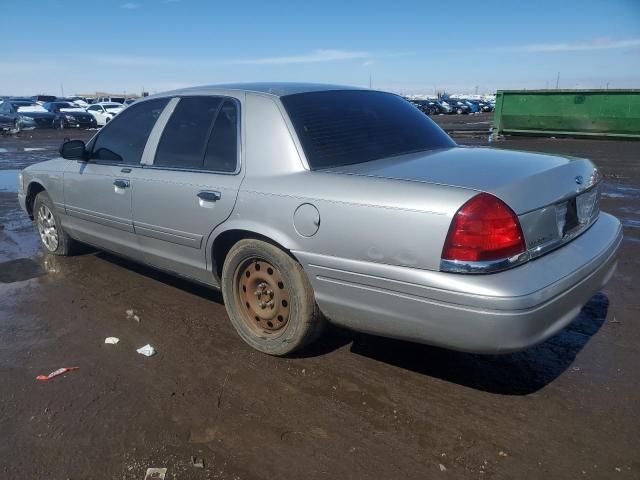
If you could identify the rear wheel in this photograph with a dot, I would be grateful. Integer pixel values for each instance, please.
(269, 298)
(52, 235)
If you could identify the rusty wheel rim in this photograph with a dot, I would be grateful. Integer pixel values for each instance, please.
(263, 297)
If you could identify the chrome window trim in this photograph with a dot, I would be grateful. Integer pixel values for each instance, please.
(493, 266)
(192, 170)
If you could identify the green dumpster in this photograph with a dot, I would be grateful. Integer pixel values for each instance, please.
(610, 113)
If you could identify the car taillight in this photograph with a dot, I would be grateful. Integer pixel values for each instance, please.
(484, 229)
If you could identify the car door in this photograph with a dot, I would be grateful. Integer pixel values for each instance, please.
(97, 192)
(190, 185)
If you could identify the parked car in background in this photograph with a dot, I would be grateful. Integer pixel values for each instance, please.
(22, 99)
(444, 106)
(44, 98)
(25, 115)
(119, 100)
(458, 106)
(474, 249)
(69, 115)
(473, 105)
(486, 106)
(428, 107)
(104, 112)
(80, 101)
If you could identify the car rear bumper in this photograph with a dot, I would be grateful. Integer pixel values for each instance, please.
(494, 313)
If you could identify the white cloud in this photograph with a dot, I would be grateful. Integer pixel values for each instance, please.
(311, 57)
(368, 63)
(130, 6)
(595, 44)
(129, 60)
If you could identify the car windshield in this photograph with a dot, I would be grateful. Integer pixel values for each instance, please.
(343, 127)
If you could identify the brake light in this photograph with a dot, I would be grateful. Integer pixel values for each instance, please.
(484, 229)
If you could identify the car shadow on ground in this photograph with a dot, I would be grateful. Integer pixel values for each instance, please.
(519, 373)
(183, 284)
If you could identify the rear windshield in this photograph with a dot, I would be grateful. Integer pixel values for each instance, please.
(342, 127)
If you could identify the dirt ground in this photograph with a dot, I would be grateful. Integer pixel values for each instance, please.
(352, 407)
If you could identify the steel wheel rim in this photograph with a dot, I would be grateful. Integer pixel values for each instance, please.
(47, 228)
(262, 297)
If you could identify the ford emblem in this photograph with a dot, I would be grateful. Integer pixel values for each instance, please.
(579, 179)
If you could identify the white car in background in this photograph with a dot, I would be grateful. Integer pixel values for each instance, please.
(103, 112)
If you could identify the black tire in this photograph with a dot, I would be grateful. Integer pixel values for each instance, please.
(45, 217)
(291, 295)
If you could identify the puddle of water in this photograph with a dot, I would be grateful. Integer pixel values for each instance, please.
(630, 222)
(619, 190)
(20, 270)
(9, 180)
(21, 149)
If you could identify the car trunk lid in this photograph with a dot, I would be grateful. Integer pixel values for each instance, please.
(555, 197)
(525, 181)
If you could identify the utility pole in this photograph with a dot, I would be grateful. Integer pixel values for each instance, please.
(61, 90)
(369, 80)
(557, 80)
(476, 89)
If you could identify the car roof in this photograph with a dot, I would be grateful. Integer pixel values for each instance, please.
(276, 89)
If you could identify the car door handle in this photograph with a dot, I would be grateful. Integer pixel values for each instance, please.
(121, 183)
(209, 196)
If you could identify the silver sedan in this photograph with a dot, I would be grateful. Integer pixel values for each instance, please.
(307, 203)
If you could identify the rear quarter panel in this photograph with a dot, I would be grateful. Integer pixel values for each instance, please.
(374, 220)
(395, 222)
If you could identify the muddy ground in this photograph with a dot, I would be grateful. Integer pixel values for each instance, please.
(352, 407)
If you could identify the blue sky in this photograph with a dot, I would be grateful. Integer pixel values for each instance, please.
(407, 47)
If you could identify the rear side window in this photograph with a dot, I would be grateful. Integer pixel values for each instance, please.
(222, 149)
(124, 138)
(342, 127)
(201, 134)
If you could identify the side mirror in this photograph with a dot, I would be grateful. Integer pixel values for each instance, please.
(74, 150)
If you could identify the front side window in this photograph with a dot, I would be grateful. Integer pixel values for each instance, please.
(201, 135)
(124, 138)
(343, 127)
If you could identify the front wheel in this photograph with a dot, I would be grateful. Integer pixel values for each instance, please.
(52, 235)
(269, 298)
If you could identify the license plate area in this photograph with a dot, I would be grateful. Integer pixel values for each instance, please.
(577, 213)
